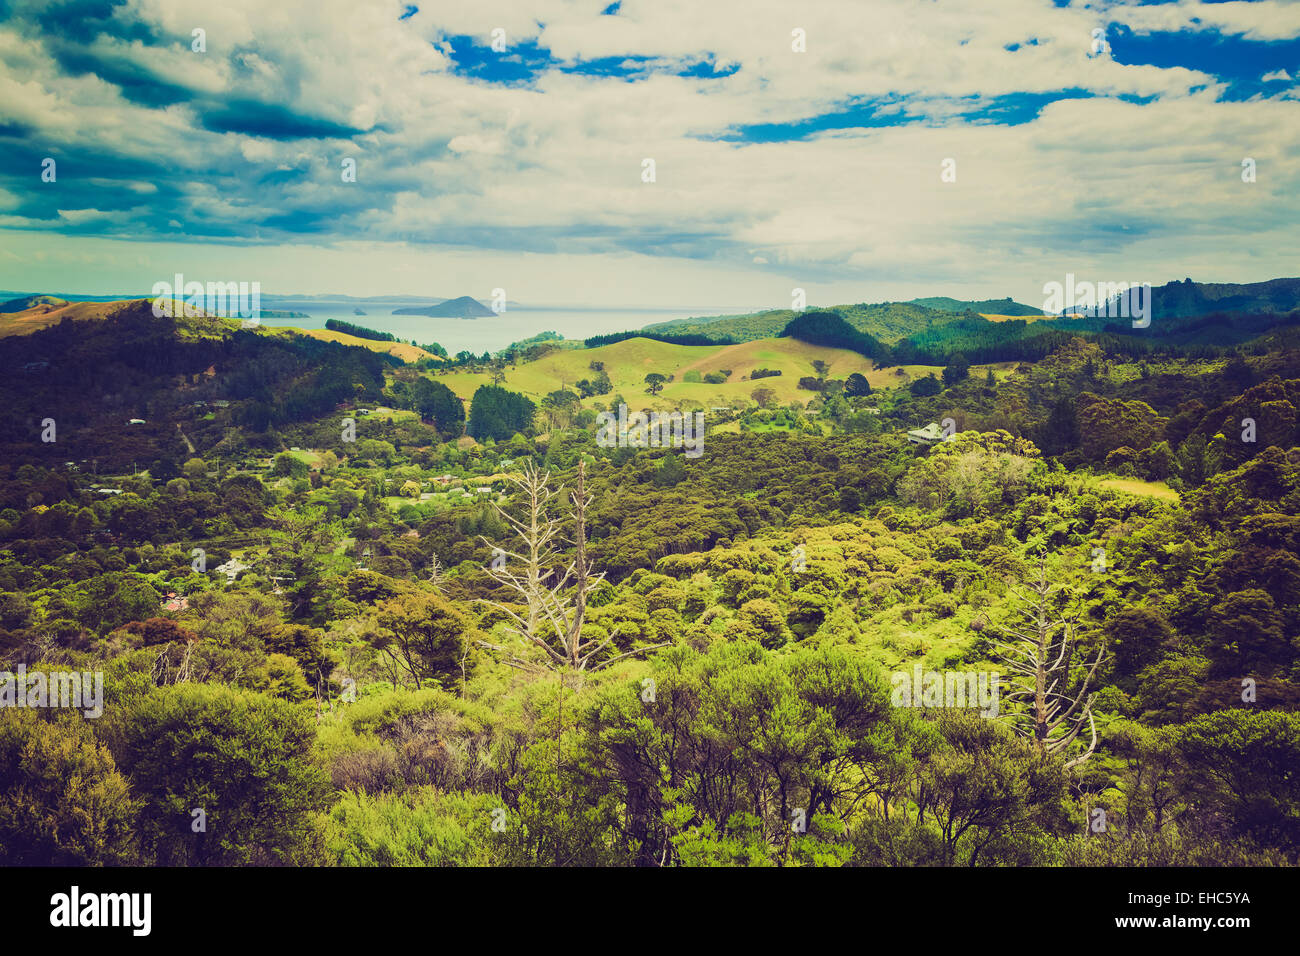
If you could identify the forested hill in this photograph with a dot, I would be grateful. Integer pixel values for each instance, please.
(984, 306)
(1187, 298)
(888, 322)
(92, 377)
(891, 322)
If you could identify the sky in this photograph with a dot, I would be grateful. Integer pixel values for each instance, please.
(861, 150)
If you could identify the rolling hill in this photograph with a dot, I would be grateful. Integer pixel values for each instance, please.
(628, 362)
(27, 302)
(1187, 299)
(52, 312)
(887, 321)
(999, 307)
(402, 350)
(42, 315)
(1267, 304)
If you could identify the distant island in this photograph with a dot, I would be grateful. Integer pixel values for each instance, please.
(281, 314)
(358, 312)
(464, 307)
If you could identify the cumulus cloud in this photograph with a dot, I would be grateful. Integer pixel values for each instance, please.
(820, 166)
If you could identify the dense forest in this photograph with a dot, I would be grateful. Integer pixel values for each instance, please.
(346, 617)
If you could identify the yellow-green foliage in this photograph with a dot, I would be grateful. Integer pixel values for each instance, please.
(420, 827)
(900, 596)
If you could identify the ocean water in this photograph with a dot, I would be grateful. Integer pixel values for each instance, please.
(515, 324)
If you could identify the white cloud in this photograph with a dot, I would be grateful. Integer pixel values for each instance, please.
(255, 150)
(551, 172)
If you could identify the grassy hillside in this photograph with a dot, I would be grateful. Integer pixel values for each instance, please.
(26, 302)
(39, 316)
(402, 350)
(1136, 486)
(43, 315)
(887, 321)
(627, 363)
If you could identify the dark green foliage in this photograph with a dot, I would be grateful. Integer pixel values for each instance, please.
(437, 403)
(600, 385)
(360, 331)
(827, 328)
(241, 757)
(856, 385)
(979, 341)
(1060, 433)
(670, 471)
(957, 370)
(1242, 764)
(929, 385)
(609, 339)
(498, 413)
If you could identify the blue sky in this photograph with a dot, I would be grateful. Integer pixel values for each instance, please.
(504, 144)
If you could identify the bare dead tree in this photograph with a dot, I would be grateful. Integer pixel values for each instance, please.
(437, 574)
(1038, 649)
(538, 531)
(162, 664)
(558, 611)
(183, 672)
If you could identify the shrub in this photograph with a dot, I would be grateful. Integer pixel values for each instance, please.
(62, 800)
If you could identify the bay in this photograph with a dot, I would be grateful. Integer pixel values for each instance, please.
(480, 335)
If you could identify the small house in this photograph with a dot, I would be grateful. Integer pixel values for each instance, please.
(931, 434)
(175, 602)
(232, 569)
